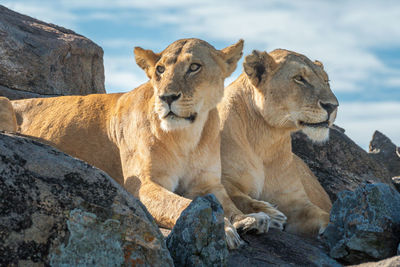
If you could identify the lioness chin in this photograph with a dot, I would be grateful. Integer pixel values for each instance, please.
(277, 94)
(160, 141)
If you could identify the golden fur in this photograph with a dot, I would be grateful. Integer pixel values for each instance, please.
(7, 116)
(277, 94)
(160, 141)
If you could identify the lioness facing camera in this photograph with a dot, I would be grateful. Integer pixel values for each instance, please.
(159, 140)
(277, 94)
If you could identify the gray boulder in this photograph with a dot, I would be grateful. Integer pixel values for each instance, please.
(59, 211)
(198, 238)
(339, 164)
(365, 224)
(385, 152)
(398, 250)
(46, 59)
(277, 248)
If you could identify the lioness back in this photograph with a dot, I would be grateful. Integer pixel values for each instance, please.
(76, 125)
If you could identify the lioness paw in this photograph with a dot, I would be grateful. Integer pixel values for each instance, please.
(259, 222)
(232, 237)
(278, 219)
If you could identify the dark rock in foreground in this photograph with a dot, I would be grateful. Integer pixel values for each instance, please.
(277, 248)
(59, 211)
(198, 238)
(46, 59)
(385, 152)
(339, 164)
(365, 224)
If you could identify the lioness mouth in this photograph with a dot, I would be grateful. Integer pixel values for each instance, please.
(318, 124)
(191, 118)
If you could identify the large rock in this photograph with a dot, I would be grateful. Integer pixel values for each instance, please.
(59, 211)
(277, 248)
(46, 59)
(385, 152)
(339, 164)
(391, 262)
(365, 224)
(198, 238)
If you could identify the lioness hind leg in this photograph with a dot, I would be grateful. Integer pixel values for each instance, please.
(8, 121)
(308, 220)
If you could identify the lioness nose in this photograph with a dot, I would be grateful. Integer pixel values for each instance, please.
(328, 107)
(170, 98)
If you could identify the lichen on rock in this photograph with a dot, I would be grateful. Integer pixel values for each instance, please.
(365, 224)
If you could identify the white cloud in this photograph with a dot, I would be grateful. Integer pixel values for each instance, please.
(360, 120)
(48, 11)
(122, 74)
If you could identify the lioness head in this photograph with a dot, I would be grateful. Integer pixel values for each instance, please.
(292, 92)
(188, 78)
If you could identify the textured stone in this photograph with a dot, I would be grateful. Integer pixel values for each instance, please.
(13, 94)
(365, 224)
(57, 210)
(385, 152)
(46, 59)
(339, 164)
(391, 262)
(198, 238)
(277, 248)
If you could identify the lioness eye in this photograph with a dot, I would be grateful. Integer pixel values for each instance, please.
(194, 67)
(299, 79)
(160, 69)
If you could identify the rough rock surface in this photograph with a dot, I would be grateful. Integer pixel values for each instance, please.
(385, 152)
(277, 248)
(57, 210)
(391, 262)
(365, 224)
(198, 238)
(339, 164)
(46, 59)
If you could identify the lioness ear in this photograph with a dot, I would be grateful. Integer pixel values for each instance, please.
(319, 63)
(257, 65)
(146, 59)
(231, 56)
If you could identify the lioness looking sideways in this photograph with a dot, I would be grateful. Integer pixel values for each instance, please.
(159, 140)
(277, 94)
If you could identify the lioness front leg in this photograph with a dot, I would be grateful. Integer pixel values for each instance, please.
(164, 205)
(249, 205)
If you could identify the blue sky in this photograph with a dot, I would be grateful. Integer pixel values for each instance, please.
(358, 41)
